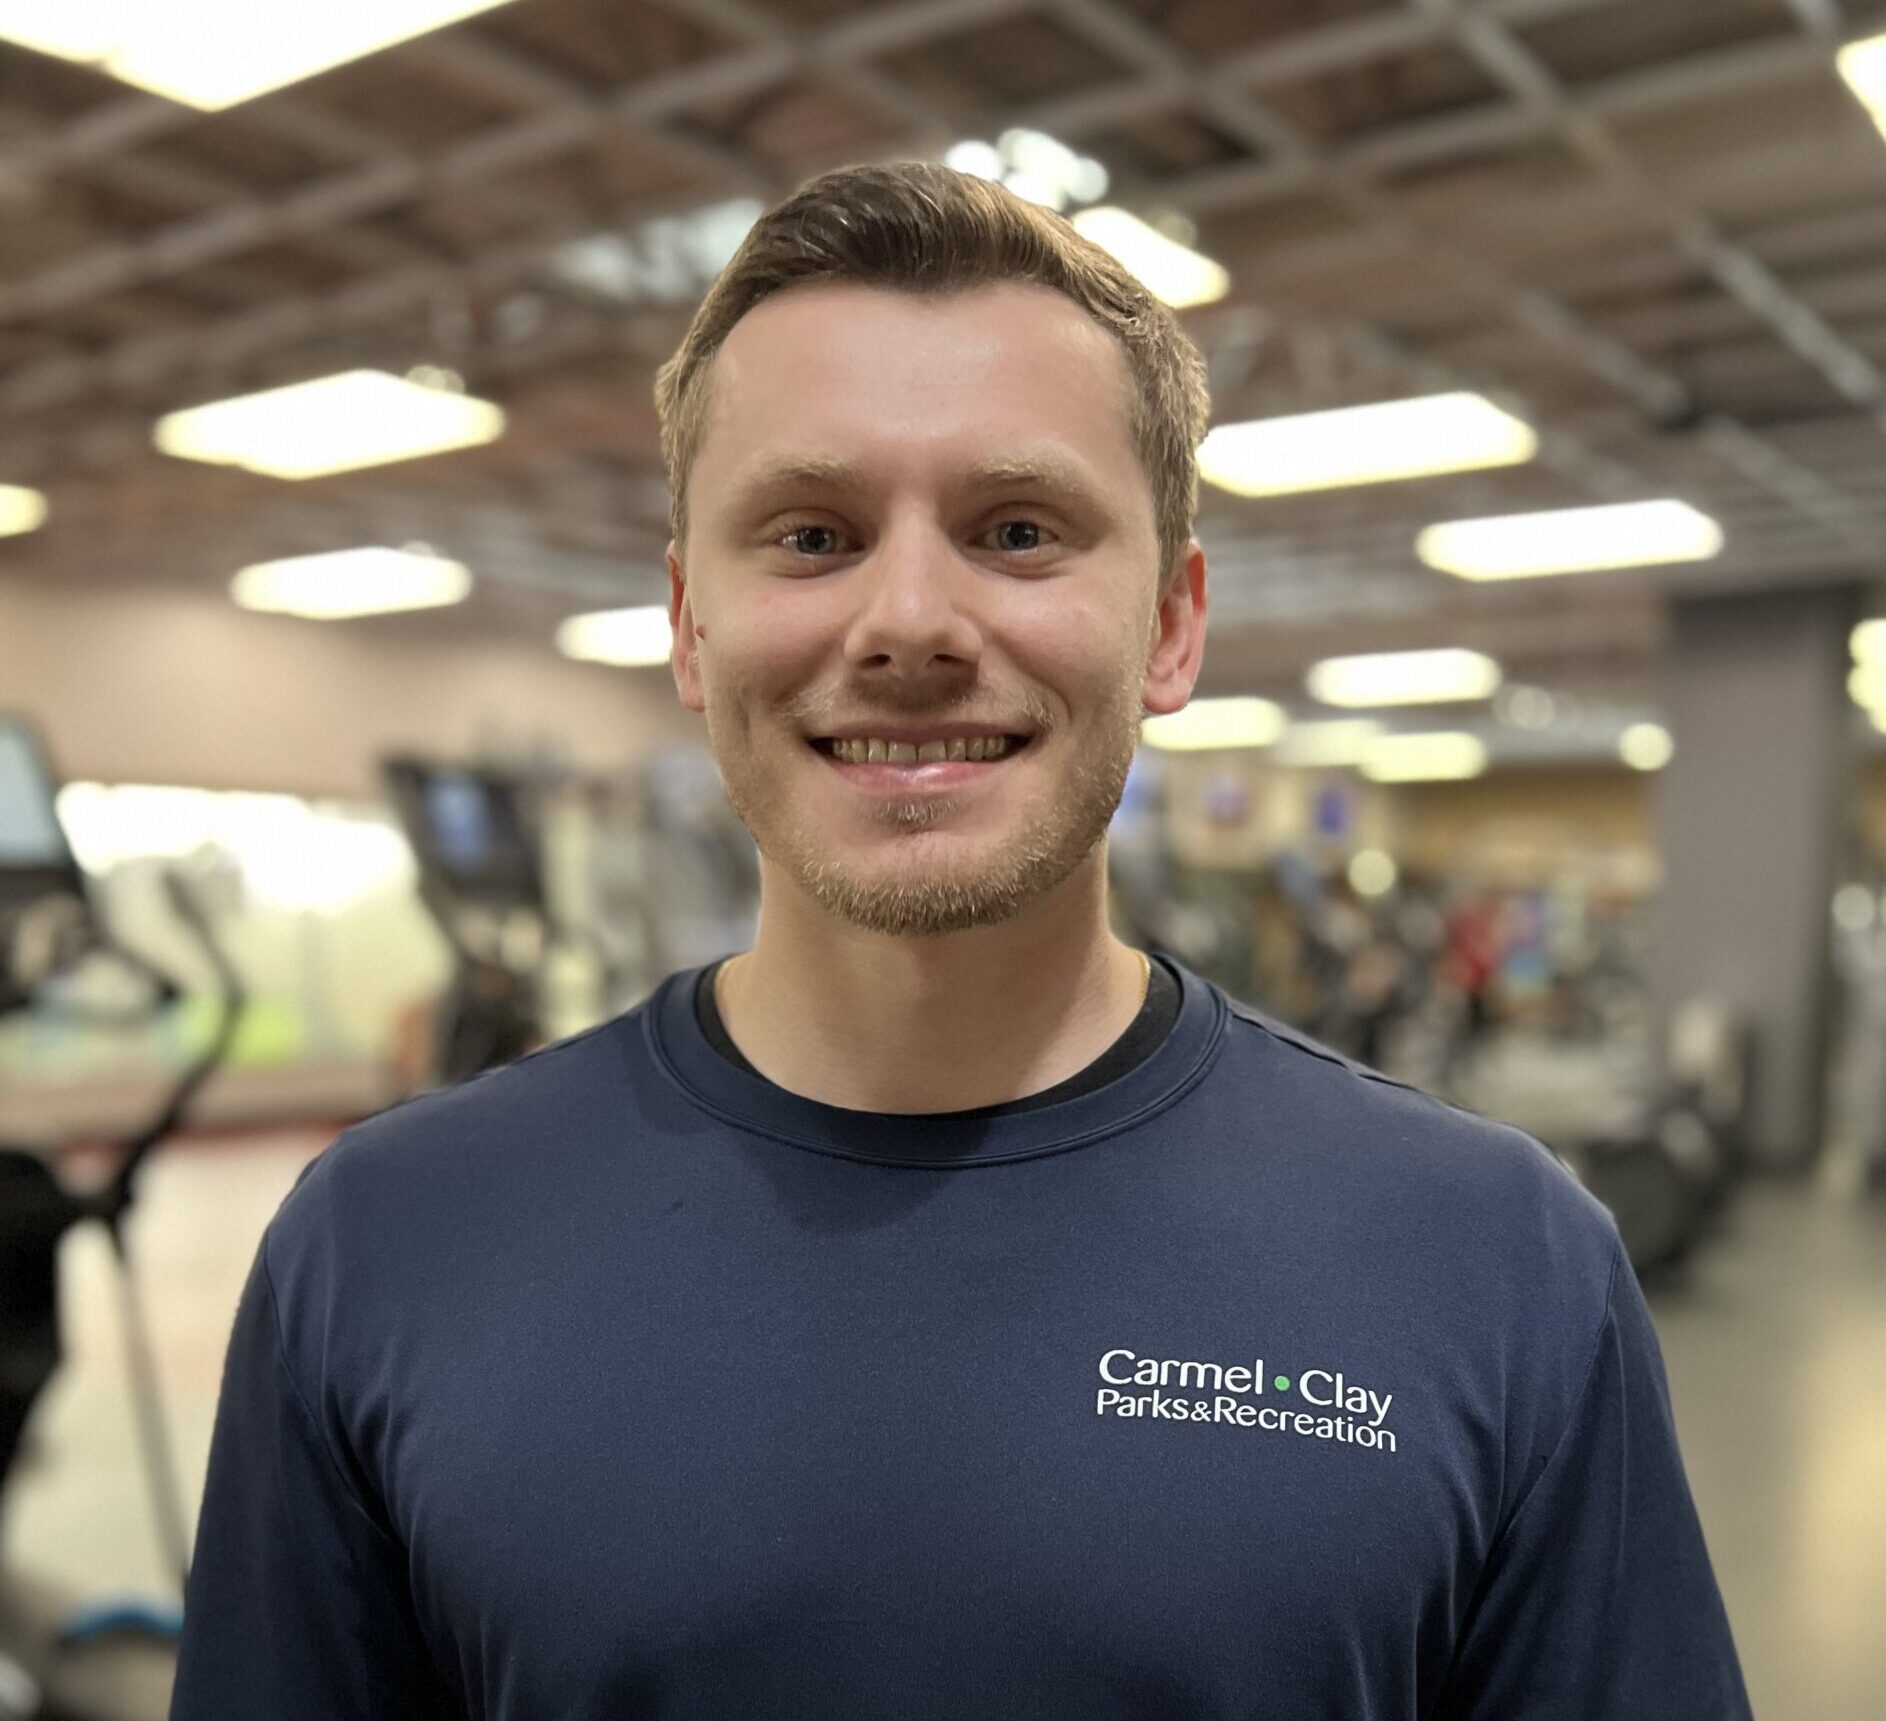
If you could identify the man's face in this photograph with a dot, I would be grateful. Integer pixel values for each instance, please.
(922, 522)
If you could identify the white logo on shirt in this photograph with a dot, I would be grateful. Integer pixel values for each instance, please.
(1341, 1410)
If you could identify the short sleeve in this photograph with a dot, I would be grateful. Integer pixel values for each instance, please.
(298, 1604)
(1598, 1602)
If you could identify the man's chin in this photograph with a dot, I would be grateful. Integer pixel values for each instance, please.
(924, 910)
(927, 890)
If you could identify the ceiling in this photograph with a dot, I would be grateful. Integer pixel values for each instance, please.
(1655, 227)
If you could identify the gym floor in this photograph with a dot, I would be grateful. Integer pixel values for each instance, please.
(1774, 1341)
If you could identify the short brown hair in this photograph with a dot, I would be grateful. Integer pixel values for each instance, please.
(917, 227)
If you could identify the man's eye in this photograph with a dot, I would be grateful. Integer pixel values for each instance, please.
(813, 540)
(1019, 535)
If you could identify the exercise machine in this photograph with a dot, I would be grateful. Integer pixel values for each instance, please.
(476, 835)
(58, 1663)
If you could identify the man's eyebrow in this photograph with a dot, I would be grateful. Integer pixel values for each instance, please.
(1041, 471)
(783, 473)
(1044, 471)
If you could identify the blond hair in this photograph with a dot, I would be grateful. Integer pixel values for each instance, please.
(917, 227)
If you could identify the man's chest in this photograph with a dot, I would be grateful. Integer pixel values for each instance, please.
(990, 1483)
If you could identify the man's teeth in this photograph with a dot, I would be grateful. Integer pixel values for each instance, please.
(875, 752)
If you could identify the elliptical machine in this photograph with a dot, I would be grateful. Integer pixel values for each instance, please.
(113, 1663)
(475, 837)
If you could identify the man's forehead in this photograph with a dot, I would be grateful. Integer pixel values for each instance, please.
(843, 366)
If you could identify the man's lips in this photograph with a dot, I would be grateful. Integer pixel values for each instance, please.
(914, 775)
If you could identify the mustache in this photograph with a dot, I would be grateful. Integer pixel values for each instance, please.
(820, 713)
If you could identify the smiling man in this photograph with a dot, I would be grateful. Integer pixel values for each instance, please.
(942, 1309)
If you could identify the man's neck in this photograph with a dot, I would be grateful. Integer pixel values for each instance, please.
(941, 1023)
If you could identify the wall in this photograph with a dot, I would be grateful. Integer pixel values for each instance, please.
(1518, 826)
(184, 688)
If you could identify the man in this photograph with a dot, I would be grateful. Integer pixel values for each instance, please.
(940, 1310)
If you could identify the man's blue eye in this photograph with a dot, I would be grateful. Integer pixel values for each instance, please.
(827, 545)
(1024, 526)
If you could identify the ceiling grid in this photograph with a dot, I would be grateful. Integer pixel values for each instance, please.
(1430, 194)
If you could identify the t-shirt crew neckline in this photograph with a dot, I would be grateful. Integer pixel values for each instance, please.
(942, 1141)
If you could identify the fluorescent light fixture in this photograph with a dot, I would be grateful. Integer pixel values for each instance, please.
(1866, 683)
(21, 510)
(1215, 723)
(1404, 678)
(1570, 541)
(1168, 270)
(1869, 642)
(334, 424)
(1863, 65)
(211, 54)
(70, 29)
(1646, 747)
(634, 638)
(1436, 758)
(1337, 741)
(1364, 445)
(345, 583)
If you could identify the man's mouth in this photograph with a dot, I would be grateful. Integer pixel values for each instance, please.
(882, 750)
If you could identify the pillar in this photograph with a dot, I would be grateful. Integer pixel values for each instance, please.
(1751, 813)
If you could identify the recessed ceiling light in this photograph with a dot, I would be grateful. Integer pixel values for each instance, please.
(342, 584)
(211, 54)
(1570, 541)
(1863, 65)
(21, 510)
(1404, 678)
(633, 638)
(1436, 758)
(333, 424)
(1215, 723)
(1364, 445)
(1165, 268)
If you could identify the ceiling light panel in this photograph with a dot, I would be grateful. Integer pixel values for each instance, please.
(1164, 267)
(1207, 723)
(212, 54)
(632, 638)
(1404, 678)
(1863, 65)
(1377, 444)
(335, 424)
(1571, 541)
(343, 584)
(1436, 758)
(21, 510)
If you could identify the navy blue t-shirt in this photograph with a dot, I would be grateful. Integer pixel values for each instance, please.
(624, 1383)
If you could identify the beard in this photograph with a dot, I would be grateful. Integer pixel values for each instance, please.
(920, 889)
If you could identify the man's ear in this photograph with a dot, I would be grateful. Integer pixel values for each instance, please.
(685, 654)
(1178, 636)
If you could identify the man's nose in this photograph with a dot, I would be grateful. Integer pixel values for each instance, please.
(916, 610)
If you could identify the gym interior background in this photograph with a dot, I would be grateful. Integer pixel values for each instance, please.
(1546, 341)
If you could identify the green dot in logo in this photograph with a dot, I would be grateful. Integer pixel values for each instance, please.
(1282, 1383)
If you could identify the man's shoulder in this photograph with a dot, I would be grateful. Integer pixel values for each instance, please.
(397, 1172)
(1438, 1168)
